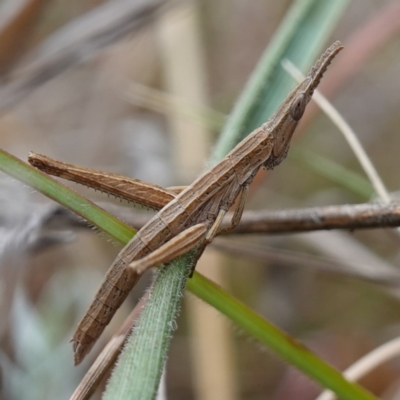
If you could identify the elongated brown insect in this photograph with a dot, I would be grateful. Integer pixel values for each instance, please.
(190, 217)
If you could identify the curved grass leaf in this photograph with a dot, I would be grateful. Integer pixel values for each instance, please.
(300, 38)
(350, 180)
(65, 196)
(274, 339)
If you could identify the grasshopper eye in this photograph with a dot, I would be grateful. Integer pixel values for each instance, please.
(298, 106)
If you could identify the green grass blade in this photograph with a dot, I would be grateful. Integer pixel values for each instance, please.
(65, 196)
(145, 364)
(353, 182)
(300, 38)
(273, 338)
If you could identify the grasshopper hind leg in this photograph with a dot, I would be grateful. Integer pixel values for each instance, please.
(177, 246)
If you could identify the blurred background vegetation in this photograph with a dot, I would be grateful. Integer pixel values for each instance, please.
(142, 90)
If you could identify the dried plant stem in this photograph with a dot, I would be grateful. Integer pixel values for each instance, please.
(108, 356)
(358, 216)
(355, 216)
(365, 42)
(347, 132)
(366, 364)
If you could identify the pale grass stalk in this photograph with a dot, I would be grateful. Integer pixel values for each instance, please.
(347, 132)
(368, 363)
(108, 356)
(212, 348)
(186, 79)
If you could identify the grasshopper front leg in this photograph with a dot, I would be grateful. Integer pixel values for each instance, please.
(237, 215)
(214, 230)
(189, 238)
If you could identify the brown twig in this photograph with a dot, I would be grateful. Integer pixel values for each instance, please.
(356, 216)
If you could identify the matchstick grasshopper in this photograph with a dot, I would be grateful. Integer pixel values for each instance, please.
(190, 217)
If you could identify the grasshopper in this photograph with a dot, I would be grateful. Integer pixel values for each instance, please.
(187, 218)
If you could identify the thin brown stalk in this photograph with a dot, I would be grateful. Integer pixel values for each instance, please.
(364, 44)
(348, 134)
(358, 216)
(108, 356)
(352, 217)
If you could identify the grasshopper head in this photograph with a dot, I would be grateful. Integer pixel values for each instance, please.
(283, 123)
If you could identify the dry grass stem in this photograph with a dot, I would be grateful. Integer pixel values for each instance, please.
(108, 356)
(368, 363)
(352, 217)
(347, 132)
(357, 216)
